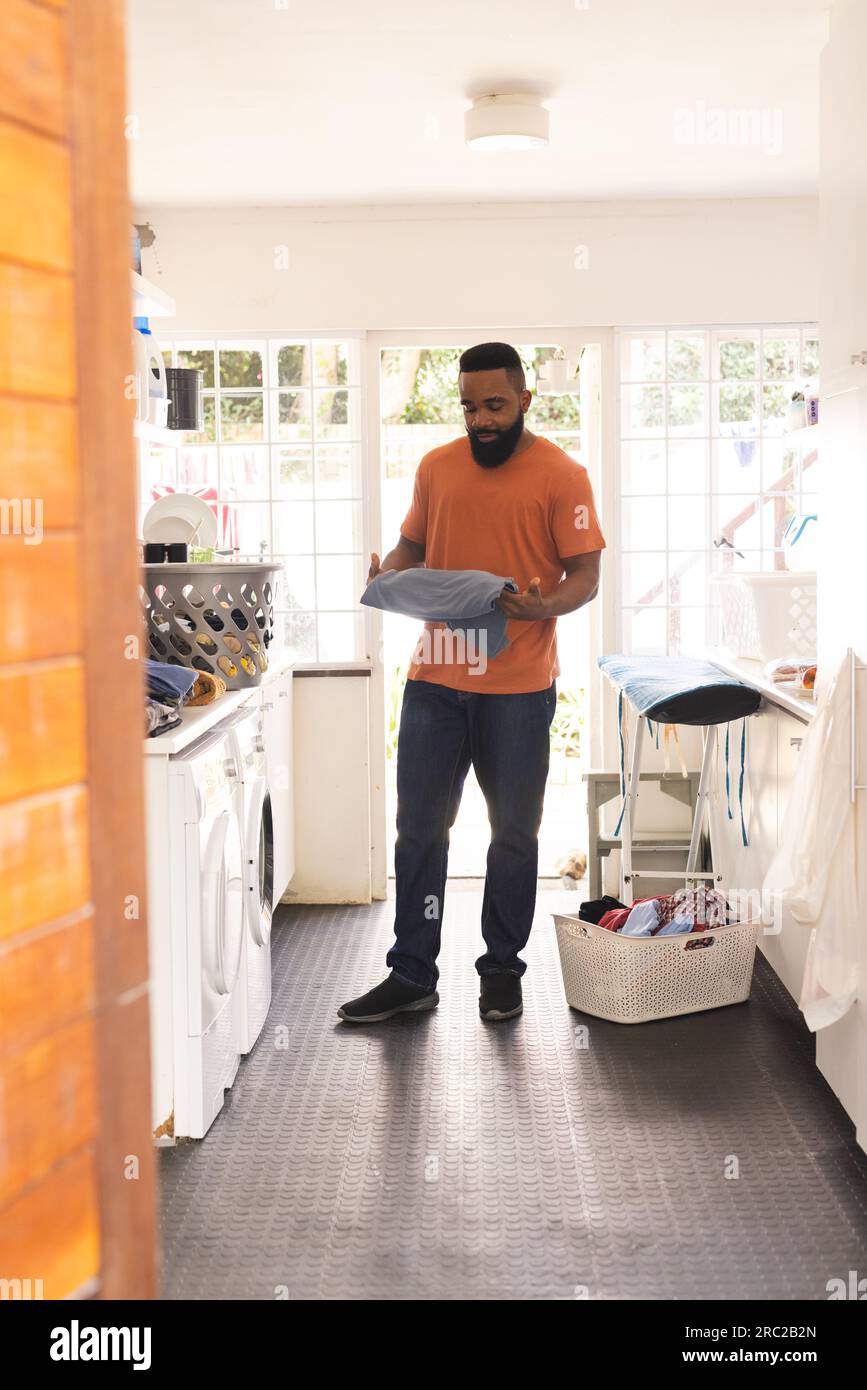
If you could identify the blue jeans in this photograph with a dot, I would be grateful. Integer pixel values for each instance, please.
(506, 739)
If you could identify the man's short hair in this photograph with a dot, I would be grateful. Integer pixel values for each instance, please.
(487, 357)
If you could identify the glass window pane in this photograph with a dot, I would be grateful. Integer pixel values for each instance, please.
(241, 365)
(736, 356)
(292, 471)
(242, 417)
(337, 415)
(687, 631)
(293, 415)
(299, 634)
(643, 523)
(198, 355)
(290, 364)
(779, 466)
(336, 363)
(775, 401)
(687, 356)
(810, 359)
(687, 576)
(644, 631)
(687, 410)
(197, 468)
(737, 406)
(338, 471)
(244, 472)
(643, 467)
(779, 356)
(293, 528)
(687, 465)
(642, 356)
(687, 521)
(737, 465)
(340, 636)
(735, 518)
(643, 577)
(338, 581)
(296, 585)
(643, 411)
(245, 526)
(338, 527)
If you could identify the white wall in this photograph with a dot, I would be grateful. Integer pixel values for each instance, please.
(729, 261)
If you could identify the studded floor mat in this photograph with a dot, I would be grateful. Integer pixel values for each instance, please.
(438, 1157)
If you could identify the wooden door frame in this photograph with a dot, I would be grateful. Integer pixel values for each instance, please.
(112, 668)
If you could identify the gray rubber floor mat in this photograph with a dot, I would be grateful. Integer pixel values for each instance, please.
(439, 1157)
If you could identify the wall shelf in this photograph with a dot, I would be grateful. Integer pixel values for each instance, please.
(158, 434)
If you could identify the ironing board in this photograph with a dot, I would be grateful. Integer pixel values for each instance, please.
(677, 690)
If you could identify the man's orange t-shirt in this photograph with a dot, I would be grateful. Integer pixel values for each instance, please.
(517, 521)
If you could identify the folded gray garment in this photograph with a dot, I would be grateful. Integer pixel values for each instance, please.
(464, 599)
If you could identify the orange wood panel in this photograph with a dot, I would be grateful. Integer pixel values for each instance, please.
(44, 861)
(54, 1078)
(51, 1232)
(35, 213)
(46, 981)
(32, 66)
(42, 733)
(40, 596)
(39, 457)
(113, 685)
(37, 334)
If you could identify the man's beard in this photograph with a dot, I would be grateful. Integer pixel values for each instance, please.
(495, 452)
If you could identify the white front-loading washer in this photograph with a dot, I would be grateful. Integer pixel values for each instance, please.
(254, 984)
(207, 925)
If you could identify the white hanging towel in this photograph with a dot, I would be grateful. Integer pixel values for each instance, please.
(814, 868)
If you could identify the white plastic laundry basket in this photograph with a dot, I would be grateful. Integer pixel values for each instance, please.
(768, 615)
(633, 979)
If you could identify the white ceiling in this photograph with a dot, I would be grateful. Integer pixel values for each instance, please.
(362, 101)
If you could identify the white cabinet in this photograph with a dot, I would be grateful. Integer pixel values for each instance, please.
(785, 940)
(277, 704)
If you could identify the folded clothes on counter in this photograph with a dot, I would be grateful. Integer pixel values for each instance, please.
(466, 600)
(159, 718)
(206, 690)
(168, 683)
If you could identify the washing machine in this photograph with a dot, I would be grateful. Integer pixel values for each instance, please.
(207, 874)
(257, 827)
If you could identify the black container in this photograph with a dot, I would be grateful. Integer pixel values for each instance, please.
(184, 388)
(177, 552)
(154, 552)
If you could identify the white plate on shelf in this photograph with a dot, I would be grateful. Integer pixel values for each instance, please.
(179, 517)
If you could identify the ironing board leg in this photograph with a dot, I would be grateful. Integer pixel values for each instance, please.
(630, 812)
(702, 801)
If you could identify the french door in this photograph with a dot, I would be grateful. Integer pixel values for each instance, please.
(412, 405)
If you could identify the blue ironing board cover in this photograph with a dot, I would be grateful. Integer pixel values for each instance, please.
(680, 689)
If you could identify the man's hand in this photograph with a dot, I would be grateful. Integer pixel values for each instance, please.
(527, 606)
(374, 567)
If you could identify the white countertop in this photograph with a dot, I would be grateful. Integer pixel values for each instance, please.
(800, 703)
(201, 718)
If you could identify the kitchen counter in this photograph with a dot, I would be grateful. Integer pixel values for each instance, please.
(801, 704)
(197, 721)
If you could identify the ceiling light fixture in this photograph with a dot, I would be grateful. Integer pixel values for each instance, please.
(515, 122)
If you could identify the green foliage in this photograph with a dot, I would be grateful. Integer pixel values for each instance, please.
(433, 398)
(568, 722)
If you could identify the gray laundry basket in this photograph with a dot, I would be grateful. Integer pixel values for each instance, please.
(215, 617)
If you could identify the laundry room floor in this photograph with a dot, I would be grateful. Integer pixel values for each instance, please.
(438, 1157)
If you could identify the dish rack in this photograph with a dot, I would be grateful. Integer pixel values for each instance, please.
(211, 617)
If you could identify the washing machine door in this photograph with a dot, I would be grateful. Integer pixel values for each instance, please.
(259, 863)
(222, 905)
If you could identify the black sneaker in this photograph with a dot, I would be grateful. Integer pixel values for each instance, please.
(393, 996)
(500, 996)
